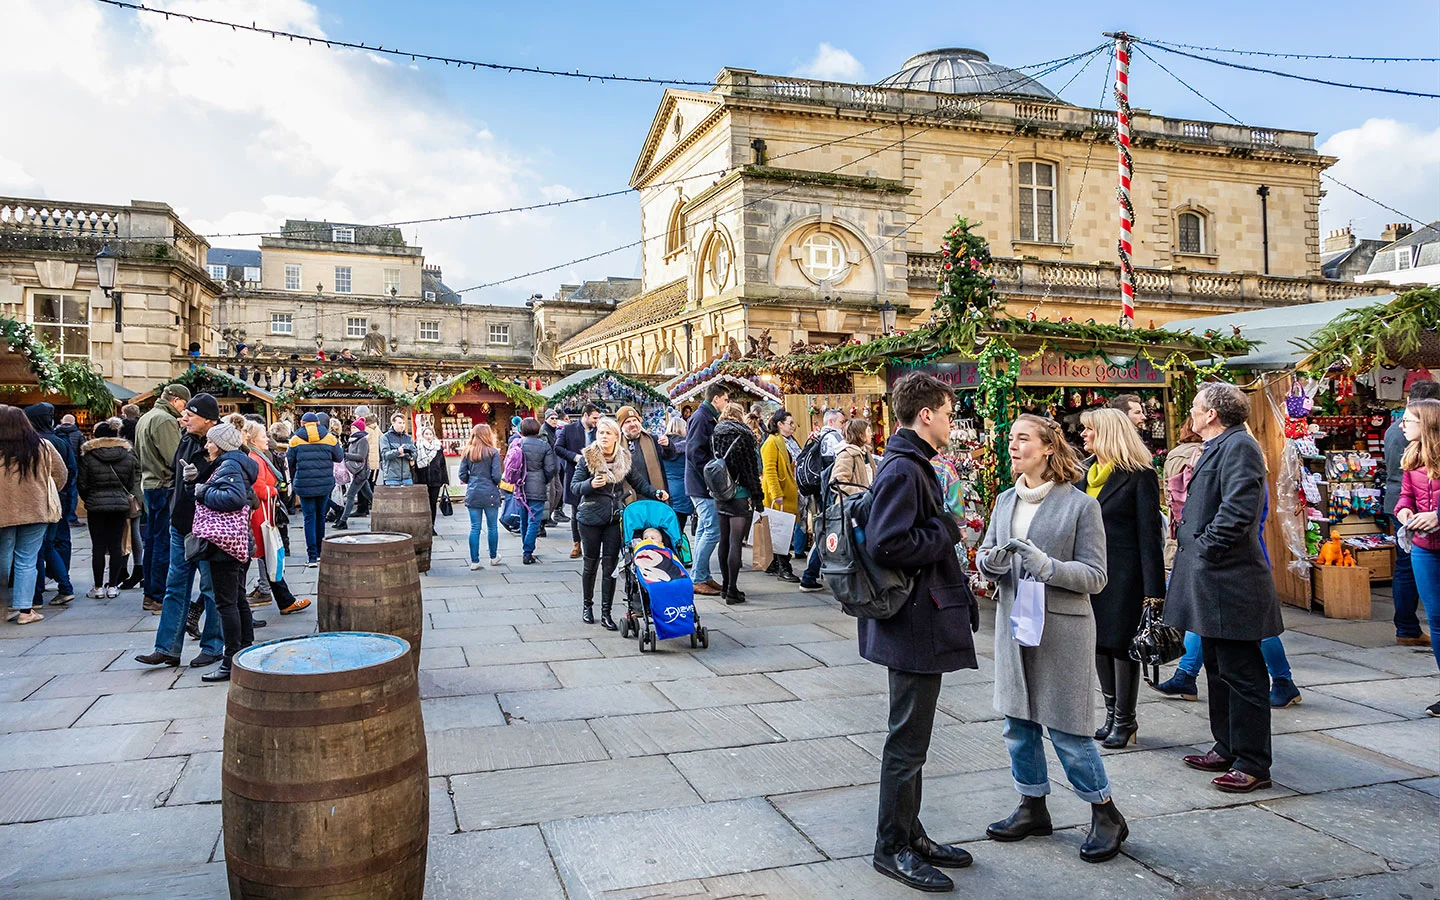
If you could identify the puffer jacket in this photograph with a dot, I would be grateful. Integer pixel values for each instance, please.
(540, 466)
(230, 483)
(312, 457)
(481, 480)
(603, 505)
(1420, 493)
(42, 417)
(109, 475)
(394, 465)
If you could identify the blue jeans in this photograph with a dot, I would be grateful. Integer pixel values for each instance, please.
(1406, 595)
(20, 550)
(1271, 648)
(531, 518)
(157, 541)
(1426, 564)
(707, 537)
(1078, 756)
(313, 508)
(62, 535)
(49, 563)
(70, 501)
(797, 541)
(170, 633)
(488, 516)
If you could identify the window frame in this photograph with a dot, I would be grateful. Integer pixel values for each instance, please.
(675, 229)
(349, 280)
(504, 329)
(1404, 254)
(282, 318)
(386, 283)
(342, 234)
(350, 327)
(430, 296)
(248, 270)
(1033, 189)
(299, 273)
(420, 331)
(1203, 247)
(223, 271)
(62, 327)
(806, 248)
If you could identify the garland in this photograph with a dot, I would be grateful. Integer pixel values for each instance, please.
(291, 396)
(1362, 338)
(617, 382)
(521, 396)
(207, 380)
(20, 338)
(86, 387)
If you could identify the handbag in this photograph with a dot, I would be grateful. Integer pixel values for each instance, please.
(342, 473)
(510, 514)
(134, 505)
(273, 548)
(53, 511)
(1027, 615)
(1155, 643)
(229, 531)
(447, 508)
(1297, 403)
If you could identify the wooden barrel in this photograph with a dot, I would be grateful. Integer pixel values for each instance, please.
(324, 783)
(369, 582)
(405, 508)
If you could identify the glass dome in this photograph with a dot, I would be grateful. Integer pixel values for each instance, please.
(958, 70)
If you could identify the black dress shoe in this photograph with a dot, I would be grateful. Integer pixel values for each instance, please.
(1107, 832)
(910, 870)
(220, 674)
(1030, 817)
(158, 659)
(258, 623)
(204, 659)
(946, 856)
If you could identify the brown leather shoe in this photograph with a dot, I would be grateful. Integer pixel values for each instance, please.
(1237, 782)
(1209, 761)
(1421, 641)
(705, 588)
(575, 553)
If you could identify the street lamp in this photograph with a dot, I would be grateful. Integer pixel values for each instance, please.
(106, 266)
(887, 312)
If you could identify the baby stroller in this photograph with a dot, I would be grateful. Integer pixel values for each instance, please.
(659, 595)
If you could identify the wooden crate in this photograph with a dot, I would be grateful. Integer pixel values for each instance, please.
(1380, 562)
(1342, 591)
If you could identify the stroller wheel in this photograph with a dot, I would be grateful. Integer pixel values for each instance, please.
(704, 634)
(626, 626)
(647, 641)
(694, 642)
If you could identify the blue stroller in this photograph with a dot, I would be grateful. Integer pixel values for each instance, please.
(659, 595)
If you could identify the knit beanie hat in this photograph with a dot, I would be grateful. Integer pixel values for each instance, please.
(624, 414)
(309, 417)
(205, 406)
(225, 436)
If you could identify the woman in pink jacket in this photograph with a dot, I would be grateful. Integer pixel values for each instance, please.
(1417, 509)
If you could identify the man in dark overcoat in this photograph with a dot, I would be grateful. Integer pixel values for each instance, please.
(572, 439)
(1221, 588)
(931, 634)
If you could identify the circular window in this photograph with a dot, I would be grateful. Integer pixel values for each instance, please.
(822, 257)
(719, 263)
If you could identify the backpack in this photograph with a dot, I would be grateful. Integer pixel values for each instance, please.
(716, 474)
(513, 476)
(811, 465)
(864, 588)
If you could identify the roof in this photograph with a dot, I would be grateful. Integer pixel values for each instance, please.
(568, 381)
(612, 288)
(442, 291)
(1427, 239)
(647, 309)
(960, 70)
(1274, 329)
(310, 230)
(224, 256)
(121, 394)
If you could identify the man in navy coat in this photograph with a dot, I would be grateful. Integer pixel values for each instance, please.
(572, 439)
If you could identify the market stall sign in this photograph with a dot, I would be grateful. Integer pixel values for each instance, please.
(1055, 368)
(340, 393)
(956, 373)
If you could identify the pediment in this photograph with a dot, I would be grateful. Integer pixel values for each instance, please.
(680, 113)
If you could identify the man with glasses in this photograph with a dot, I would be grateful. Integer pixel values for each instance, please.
(1402, 583)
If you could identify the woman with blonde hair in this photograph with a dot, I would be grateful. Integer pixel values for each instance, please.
(1418, 508)
(1122, 478)
(481, 471)
(854, 467)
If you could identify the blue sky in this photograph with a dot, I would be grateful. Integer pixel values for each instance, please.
(239, 131)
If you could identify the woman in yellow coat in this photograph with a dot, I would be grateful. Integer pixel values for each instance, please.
(777, 477)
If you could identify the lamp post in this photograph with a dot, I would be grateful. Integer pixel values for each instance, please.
(107, 264)
(887, 312)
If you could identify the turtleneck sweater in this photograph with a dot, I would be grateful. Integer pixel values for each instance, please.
(1027, 502)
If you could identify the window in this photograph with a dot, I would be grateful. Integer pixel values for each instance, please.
(252, 273)
(217, 272)
(282, 323)
(822, 257)
(429, 331)
(392, 280)
(292, 277)
(342, 279)
(430, 296)
(62, 321)
(499, 334)
(718, 264)
(342, 235)
(1192, 233)
(675, 230)
(1402, 258)
(1037, 202)
(355, 326)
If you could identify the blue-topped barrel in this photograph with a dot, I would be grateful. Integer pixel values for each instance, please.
(324, 782)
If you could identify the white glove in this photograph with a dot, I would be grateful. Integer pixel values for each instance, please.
(189, 471)
(1036, 561)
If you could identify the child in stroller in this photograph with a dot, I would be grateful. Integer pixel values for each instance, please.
(659, 595)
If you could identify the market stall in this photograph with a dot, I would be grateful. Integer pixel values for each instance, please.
(29, 374)
(475, 397)
(688, 391)
(609, 390)
(337, 393)
(231, 393)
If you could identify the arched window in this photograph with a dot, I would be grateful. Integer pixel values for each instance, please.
(717, 262)
(822, 257)
(1037, 202)
(1191, 232)
(675, 230)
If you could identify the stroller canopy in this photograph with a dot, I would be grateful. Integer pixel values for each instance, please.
(651, 514)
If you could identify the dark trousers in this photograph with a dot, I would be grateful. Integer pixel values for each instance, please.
(912, 717)
(157, 541)
(1239, 688)
(107, 540)
(313, 509)
(1405, 594)
(575, 522)
(601, 546)
(52, 563)
(228, 577)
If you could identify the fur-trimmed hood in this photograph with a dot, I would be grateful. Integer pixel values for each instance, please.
(106, 449)
(618, 468)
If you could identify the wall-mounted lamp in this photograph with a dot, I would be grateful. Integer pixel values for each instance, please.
(107, 265)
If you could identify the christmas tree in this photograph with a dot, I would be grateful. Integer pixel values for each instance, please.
(966, 288)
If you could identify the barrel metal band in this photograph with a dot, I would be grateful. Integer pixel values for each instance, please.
(301, 718)
(334, 789)
(277, 876)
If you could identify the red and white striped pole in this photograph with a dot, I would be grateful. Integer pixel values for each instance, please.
(1127, 171)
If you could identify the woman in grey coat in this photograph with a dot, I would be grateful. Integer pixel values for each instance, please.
(1046, 530)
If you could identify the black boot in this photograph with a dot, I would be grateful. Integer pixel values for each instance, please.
(1103, 732)
(786, 573)
(1030, 817)
(1127, 689)
(1105, 671)
(588, 616)
(222, 673)
(774, 567)
(1107, 832)
(606, 622)
(192, 620)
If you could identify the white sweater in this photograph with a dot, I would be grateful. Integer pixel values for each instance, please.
(1027, 502)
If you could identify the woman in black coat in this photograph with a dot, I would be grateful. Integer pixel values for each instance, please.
(1122, 478)
(734, 442)
(108, 478)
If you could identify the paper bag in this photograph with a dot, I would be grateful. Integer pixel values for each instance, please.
(764, 551)
(782, 529)
(1027, 616)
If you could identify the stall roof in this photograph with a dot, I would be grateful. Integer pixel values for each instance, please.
(121, 394)
(257, 392)
(573, 378)
(1274, 329)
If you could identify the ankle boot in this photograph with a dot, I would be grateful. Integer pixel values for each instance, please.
(1127, 689)
(588, 616)
(221, 673)
(1107, 832)
(192, 620)
(1030, 817)
(774, 567)
(786, 573)
(606, 622)
(1103, 732)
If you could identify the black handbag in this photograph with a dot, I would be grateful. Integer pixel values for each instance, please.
(1155, 643)
(446, 507)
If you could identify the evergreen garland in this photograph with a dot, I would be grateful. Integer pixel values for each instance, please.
(642, 392)
(1365, 337)
(522, 397)
(85, 387)
(338, 379)
(20, 338)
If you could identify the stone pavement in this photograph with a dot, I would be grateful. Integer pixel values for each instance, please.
(566, 764)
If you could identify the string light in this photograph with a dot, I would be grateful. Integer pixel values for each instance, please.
(1269, 53)
(1296, 76)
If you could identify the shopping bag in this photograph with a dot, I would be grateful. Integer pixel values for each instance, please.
(274, 550)
(763, 552)
(782, 528)
(447, 508)
(510, 514)
(1027, 616)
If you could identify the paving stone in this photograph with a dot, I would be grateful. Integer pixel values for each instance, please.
(477, 604)
(757, 616)
(152, 839)
(94, 684)
(1404, 661)
(1414, 742)
(78, 746)
(778, 634)
(1381, 818)
(835, 681)
(39, 715)
(486, 619)
(200, 780)
(972, 747)
(15, 689)
(485, 680)
(442, 657)
(467, 637)
(1402, 697)
(68, 622)
(748, 660)
(502, 864)
(1155, 783)
(563, 630)
(60, 663)
(802, 719)
(35, 794)
(462, 750)
(531, 796)
(765, 769)
(625, 670)
(201, 881)
(92, 643)
(539, 651)
(724, 690)
(150, 707)
(584, 702)
(445, 713)
(598, 853)
(1413, 884)
(1357, 634)
(680, 731)
(1429, 786)
(183, 737)
(833, 653)
(1318, 669)
(969, 702)
(1169, 725)
(14, 646)
(1298, 643)
(1311, 763)
(1258, 848)
(442, 808)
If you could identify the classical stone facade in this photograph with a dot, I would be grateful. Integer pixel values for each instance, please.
(48, 279)
(800, 207)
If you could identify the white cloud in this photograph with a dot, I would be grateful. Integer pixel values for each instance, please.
(1397, 163)
(832, 64)
(242, 131)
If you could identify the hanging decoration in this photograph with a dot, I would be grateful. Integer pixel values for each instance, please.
(1127, 171)
(20, 338)
(74, 379)
(520, 395)
(967, 291)
(610, 386)
(340, 380)
(696, 382)
(84, 386)
(1404, 331)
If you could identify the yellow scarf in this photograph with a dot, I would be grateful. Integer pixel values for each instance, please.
(1099, 474)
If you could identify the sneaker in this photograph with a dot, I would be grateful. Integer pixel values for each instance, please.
(95, 593)
(1433, 709)
(312, 564)
(295, 607)
(476, 566)
(112, 592)
(811, 587)
(151, 605)
(61, 599)
(494, 561)
(261, 600)
(529, 560)
(1283, 693)
(1180, 686)
(25, 617)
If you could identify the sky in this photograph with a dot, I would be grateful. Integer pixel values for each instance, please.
(238, 131)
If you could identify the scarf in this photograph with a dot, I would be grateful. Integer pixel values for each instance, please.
(1098, 475)
(425, 451)
(615, 468)
(650, 455)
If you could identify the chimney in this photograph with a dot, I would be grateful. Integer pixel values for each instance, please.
(1339, 239)
(433, 272)
(1393, 233)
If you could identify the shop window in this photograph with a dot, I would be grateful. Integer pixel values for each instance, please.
(1037, 202)
(356, 326)
(282, 323)
(1191, 232)
(62, 322)
(342, 279)
(292, 277)
(499, 334)
(429, 331)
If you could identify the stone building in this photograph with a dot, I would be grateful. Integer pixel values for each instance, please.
(48, 279)
(574, 308)
(800, 207)
(1406, 257)
(1345, 257)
